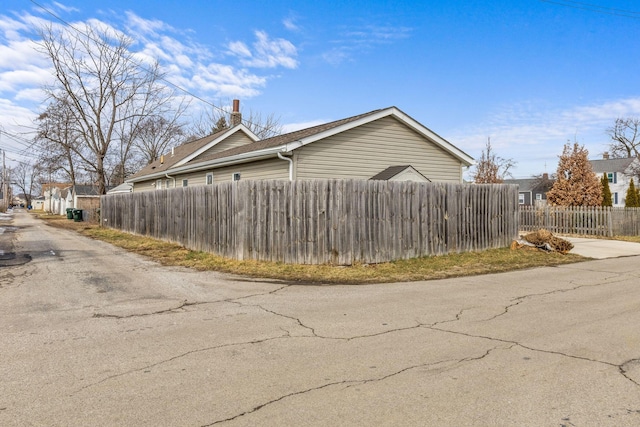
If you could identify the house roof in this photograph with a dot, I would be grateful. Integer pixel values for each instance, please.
(392, 171)
(86, 190)
(531, 184)
(524, 185)
(187, 151)
(288, 142)
(611, 165)
(122, 188)
(58, 185)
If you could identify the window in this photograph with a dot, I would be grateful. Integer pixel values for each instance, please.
(159, 184)
(209, 178)
(185, 182)
(612, 177)
(615, 198)
(538, 196)
(167, 183)
(521, 198)
(236, 176)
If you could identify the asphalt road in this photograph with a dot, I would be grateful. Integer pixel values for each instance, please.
(93, 336)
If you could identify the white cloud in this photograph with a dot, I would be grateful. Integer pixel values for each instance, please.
(145, 26)
(240, 49)
(267, 53)
(201, 70)
(225, 80)
(362, 39)
(534, 135)
(289, 24)
(65, 8)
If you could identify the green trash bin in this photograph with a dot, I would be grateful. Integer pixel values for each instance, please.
(77, 215)
(69, 213)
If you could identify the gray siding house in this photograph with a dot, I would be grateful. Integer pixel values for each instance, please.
(532, 191)
(358, 147)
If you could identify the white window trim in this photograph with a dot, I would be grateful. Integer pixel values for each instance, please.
(206, 180)
(185, 182)
(236, 175)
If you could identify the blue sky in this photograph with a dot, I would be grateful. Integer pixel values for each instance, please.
(529, 74)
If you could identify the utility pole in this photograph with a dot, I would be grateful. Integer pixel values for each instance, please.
(5, 203)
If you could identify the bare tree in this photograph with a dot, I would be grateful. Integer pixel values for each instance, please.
(215, 120)
(155, 135)
(490, 168)
(625, 138)
(57, 141)
(576, 183)
(107, 91)
(26, 178)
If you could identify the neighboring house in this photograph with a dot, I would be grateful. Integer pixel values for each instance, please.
(122, 188)
(400, 173)
(619, 173)
(38, 203)
(59, 197)
(85, 197)
(55, 197)
(20, 200)
(532, 191)
(358, 147)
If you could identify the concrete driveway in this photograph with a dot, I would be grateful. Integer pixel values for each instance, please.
(93, 336)
(603, 248)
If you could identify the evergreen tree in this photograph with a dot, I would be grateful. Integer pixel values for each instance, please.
(607, 200)
(631, 201)
(576, 183)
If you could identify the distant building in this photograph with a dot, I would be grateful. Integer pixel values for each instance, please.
(619, 173)
(532, 191)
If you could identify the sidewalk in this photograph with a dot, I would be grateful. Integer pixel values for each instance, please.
(602, 248)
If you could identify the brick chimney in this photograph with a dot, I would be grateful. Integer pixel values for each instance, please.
(236, 117)
(605, 155)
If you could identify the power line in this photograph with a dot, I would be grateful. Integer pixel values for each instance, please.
(595, 8)
(29, 147)
(168, 82)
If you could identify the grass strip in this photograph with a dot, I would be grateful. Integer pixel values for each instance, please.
(415, 269)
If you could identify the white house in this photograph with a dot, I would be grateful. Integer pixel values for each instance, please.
(619, 173)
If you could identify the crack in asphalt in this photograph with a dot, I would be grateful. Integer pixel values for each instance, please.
(177, 309)
(624, 371)
(353, 383)
(520, 299)
(509, 344)
(185, 303)
(621, 367)
(179, 356)
(270, 402)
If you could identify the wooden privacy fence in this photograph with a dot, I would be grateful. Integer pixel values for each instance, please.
(596, 221)
(322, 221)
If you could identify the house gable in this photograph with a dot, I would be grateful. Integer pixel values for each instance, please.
(183, 154)
(376, 115)
(235, 137)
(365, 150)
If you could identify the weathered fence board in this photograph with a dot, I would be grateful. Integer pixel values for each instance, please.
(322, 221)
(595, 221)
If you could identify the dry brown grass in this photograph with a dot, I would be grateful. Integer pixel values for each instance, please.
(426, 268)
